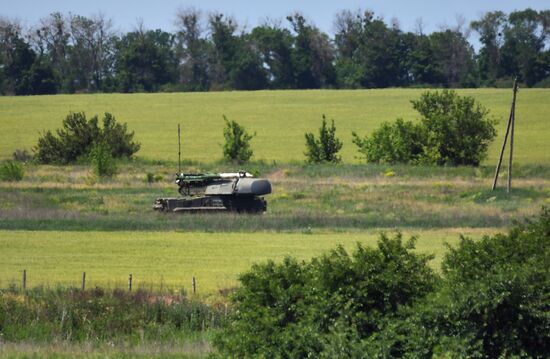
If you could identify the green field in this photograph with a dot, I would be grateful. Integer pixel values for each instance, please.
(173, 258)
(59, 221)
(280, 119)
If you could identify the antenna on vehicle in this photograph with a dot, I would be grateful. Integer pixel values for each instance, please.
(179, 150)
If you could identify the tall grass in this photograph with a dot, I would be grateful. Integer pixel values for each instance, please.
(101, 315)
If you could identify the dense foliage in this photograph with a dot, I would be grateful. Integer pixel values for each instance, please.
(73, 53)
(398, 142)
(326, 147)
(78, 136)
(453, 130)
(491, 300)
(237, 142)
(292, 309)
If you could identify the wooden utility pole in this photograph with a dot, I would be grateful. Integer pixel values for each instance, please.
(509, 126)
(130, 282)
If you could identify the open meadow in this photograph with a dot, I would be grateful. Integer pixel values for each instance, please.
(279, 118)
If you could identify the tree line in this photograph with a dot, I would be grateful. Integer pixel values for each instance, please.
(74, 53)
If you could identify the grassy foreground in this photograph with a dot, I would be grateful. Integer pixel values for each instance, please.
(280, 119)
(171, 259)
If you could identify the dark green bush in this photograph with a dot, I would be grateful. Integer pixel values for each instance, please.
(237, 142)
(78, 136)
(11, 171)
(324, 149)
(493, 302)
(398, 142)
(458, 129)
(291, 309)
(453, 130)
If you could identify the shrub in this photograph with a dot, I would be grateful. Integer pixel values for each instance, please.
(152, 178)
(492, 301)
(22, 156)
(11, 171)
(237, 142)
(458, 129)
(400, 141)
(102, 160)
(291, 309)
(78, 135)
(453, 130)
(326, 148)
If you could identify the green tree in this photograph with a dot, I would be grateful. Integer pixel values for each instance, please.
(454, 58)
(525, 37)
(275, 46)
(237, 61)
(490, 27)
(192, 50)
(312, 56)
(237, 142)
(145, 60)
(326, 148)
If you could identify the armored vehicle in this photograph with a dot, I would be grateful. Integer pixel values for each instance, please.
(206, 192)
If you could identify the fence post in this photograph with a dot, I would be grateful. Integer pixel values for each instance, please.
(24, 279)
(83, 281)
(130, 282)
(194, 285)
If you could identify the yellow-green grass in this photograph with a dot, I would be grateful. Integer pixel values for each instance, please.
(280, 119)
(173, 258)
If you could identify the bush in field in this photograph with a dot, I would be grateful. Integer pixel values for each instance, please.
(102, 160)
(237, 142)
(401, 141)
(78, 136)
(11, 171)
(458, 129)
(491, 301)
(453, 130)
(326, 148)
(291, 309)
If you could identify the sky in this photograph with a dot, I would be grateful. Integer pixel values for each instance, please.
(126, 14)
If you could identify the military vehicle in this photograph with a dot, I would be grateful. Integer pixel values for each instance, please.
(206, 192)
(210, 192)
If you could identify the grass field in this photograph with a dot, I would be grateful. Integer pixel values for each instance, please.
(59, 221)
(328, 198)
(173, 258)
(280, 119)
